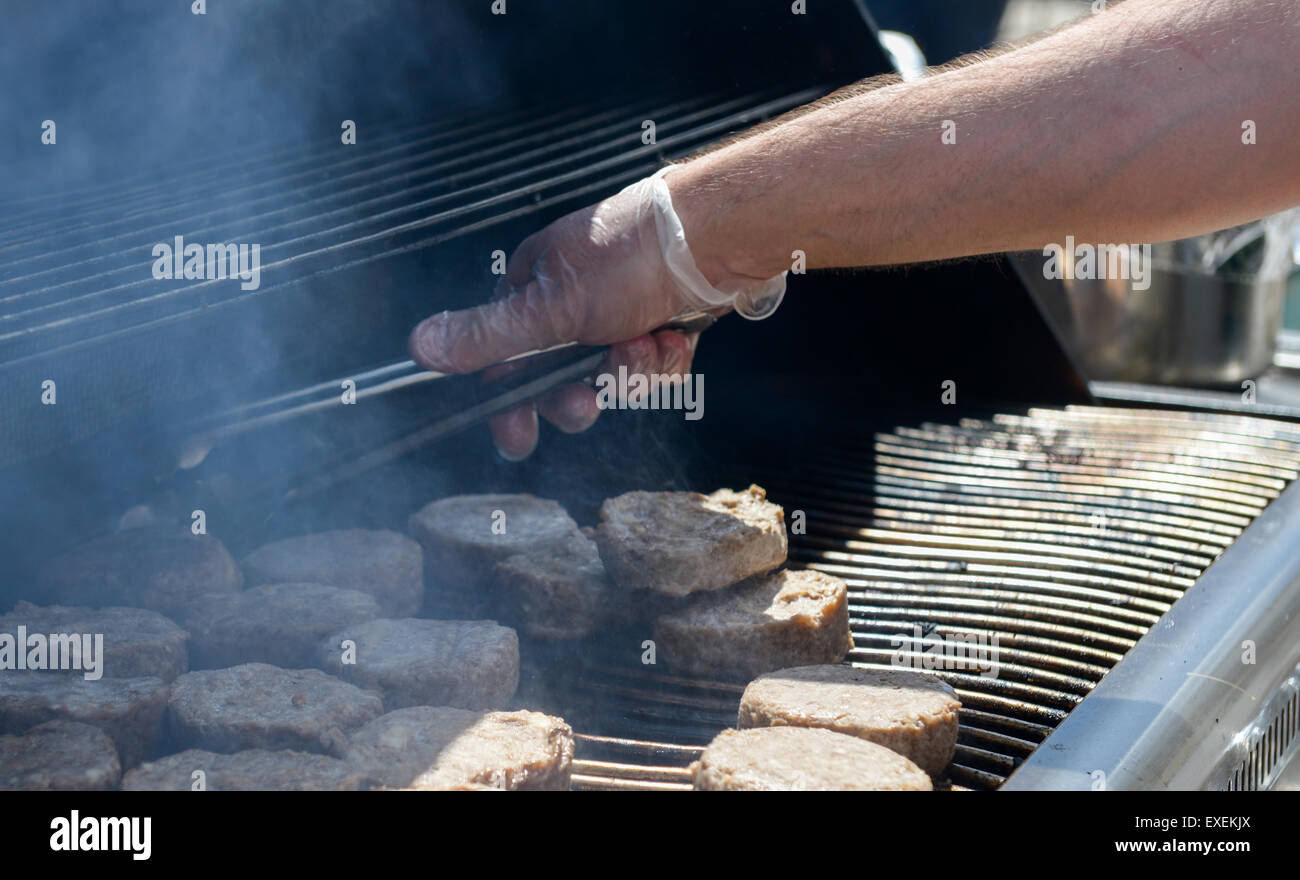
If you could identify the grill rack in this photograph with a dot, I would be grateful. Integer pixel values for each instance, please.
(938, 525)
(1066, 532)
(76, 268)
(349, 236)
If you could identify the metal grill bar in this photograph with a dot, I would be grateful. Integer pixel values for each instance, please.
(535, 187)
(303, 199)
(1067, 558)
(209, 178)
(353, 182)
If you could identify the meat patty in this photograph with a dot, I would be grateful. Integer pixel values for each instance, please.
(162, 570)
(256, 706)
(383, 563)
(802, 759)
(465, 536)
(786, 618)
(684, 542)
(909, 712)
(279, 624)
(252, 770)
(59, 756)
(441, 748)
(470, 664)
(129, 710)
(558, 592)
(137, 642)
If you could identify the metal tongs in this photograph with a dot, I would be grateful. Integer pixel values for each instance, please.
(530, 374)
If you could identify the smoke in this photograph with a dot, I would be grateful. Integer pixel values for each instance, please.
(135, 88)
(164, 121)
(213, 127)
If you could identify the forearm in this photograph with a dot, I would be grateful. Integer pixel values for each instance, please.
(1124, 128)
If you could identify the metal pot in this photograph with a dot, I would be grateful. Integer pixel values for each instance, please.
(1187, 327)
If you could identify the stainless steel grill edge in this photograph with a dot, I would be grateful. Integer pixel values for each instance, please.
(1185, 707)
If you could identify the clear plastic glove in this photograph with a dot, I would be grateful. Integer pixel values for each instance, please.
(597, 276)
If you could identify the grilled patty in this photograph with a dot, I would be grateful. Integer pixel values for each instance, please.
(443, 748)
(279, 624)
(252, 770)
(908, 712)
(129, 710)
(256, 706)
(137, 642)
(385, 564)
(557, 592)
(470, 664)
(141, 568)
(59, 756)
(465, 536)
(772, 621)
(684, 542)
(802, 759)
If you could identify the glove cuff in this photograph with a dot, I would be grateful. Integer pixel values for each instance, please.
(754, 300)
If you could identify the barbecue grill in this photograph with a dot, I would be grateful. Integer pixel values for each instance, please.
(1117, 558)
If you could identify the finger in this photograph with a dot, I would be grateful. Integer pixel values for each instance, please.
(639, 355)
(519, 268)
(514, 431)
(471, 339)
(675, 351)
(571, 408)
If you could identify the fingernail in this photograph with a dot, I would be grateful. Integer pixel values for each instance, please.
(511, 457)
(423, 343)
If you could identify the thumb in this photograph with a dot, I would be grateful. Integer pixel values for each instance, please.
(469, 340)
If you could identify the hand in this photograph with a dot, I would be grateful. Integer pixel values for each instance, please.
(596, 277)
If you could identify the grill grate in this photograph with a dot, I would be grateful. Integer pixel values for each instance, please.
(79, 268)
(1065, 533)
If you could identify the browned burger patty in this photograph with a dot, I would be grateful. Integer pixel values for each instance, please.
(684, 542)
(441, 748)
(470, 664)
(59, 756)
(802, 759)
(559, 592)
(905, 711)
(141, 568)
(769, 622)
(252, 770)
(465, 536)
(279, 624)
(256, 706)
(129, 710)
(137, 642)
(383, 563)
